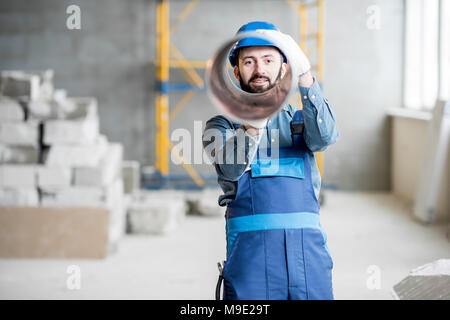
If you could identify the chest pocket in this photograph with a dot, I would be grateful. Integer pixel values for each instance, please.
(282, 166)
(288, 161)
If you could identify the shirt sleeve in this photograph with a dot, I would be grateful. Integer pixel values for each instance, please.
(321, 129)
(231, 150)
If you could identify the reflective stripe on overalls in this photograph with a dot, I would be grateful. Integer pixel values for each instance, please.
(276, 247)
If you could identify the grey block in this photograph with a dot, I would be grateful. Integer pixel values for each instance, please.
(73, 197)
(108, 170)
(54, 108)
(19, 133)
(45, 83)
(84, 107)
(76, 122)
(63, 108)
(156, 212)
(18, 175)
(54, 177)
(42, 110)
(428, 282)
(20, 85)
(83, 196)
(82, 131)
(76, 155)
(63, 104)
(19, 197)
(11, 154)
(11, 110)
(45, 80)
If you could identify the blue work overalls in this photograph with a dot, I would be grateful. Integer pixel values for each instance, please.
(276, 247)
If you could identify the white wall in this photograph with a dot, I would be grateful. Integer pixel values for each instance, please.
(408, 147)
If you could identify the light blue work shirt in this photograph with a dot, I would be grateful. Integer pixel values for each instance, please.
(320, 131)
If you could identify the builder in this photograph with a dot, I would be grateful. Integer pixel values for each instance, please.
(276, 247)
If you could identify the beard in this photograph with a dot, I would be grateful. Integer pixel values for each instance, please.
(249, 88)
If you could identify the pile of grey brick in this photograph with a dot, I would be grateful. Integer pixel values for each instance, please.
(51, 151)
(163, 211)
(428, 282)
(156, 211)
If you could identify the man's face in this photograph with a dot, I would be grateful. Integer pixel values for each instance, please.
(259, 68)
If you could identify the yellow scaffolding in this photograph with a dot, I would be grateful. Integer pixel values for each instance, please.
(302, 8)
(162, 99)
(168, 56)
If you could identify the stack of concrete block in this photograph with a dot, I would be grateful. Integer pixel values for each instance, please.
(51, 151)
(156, 211)
(428, 282)
(27, 86)
(19, 149)
(81, 168)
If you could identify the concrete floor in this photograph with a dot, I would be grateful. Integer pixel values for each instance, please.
(364, 229)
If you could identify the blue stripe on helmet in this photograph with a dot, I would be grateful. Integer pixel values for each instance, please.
(252, 41)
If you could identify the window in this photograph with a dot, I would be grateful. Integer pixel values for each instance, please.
(445, 50)
(427, 54)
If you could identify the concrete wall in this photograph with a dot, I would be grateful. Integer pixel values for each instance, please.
(110, 58)
(363, 79)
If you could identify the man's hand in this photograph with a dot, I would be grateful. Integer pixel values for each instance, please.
(296, 57)
(300, 64)
(306, 80)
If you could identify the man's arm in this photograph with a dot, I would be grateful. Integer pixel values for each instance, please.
(321, 129)
(230, 150)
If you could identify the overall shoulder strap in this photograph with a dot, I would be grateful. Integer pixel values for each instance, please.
(236, 125)
(297, 123)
